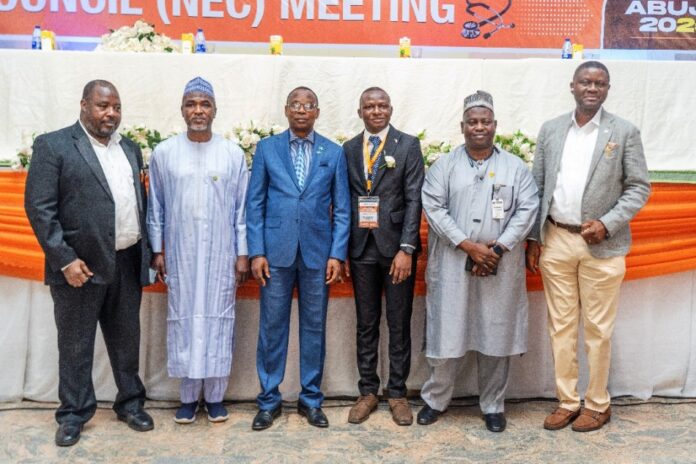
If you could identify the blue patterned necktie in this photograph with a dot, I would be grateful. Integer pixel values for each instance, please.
(298, 160)
(375, 141)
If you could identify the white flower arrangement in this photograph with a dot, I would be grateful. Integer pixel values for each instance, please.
(141, 37)
(247, 136)
(432, 149)
(22, 158)
(147, 139)
(519, 144)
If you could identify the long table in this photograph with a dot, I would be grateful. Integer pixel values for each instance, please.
(654, 352)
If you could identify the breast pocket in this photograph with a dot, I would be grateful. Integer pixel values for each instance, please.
(507, 194)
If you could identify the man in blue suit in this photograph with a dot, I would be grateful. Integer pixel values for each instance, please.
(298, 221)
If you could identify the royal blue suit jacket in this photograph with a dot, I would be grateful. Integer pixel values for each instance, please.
(283, 219)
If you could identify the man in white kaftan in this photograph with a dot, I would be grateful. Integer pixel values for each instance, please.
(198, 183)
(480, 203)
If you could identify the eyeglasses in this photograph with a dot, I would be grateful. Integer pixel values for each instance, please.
(296, 106)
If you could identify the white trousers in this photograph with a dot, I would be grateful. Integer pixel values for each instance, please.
(213, 389)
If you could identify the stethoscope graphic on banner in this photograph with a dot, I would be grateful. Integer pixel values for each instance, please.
(472, 29)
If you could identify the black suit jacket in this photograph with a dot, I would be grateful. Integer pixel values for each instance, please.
(70, 207)
(398, 189)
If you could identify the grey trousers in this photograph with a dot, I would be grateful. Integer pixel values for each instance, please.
(493, 373)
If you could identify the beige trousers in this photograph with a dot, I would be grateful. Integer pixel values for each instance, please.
(579, 286)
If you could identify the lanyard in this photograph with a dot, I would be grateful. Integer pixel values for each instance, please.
(371, 161)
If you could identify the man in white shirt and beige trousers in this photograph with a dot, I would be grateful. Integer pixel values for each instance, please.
(593, 179)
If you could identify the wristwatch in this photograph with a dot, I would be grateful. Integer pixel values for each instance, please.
(498, 250)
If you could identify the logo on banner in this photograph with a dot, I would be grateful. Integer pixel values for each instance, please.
(486, 17)
(650, 24)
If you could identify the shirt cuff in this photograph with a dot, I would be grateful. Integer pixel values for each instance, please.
(62, 269)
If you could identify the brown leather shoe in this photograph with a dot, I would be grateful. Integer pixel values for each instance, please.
(560, 418)
(362, 408)
(401, 411)
(590, 420)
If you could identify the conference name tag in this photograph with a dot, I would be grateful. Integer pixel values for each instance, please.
(368, 212)
(498, 208)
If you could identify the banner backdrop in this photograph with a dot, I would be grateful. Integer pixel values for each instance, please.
(501, 24)
(455, 23)
(650, 24)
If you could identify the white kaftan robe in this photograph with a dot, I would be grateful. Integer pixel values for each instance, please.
(466, 313)
(196, 212)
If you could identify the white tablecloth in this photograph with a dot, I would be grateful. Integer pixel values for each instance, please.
(40, 91)
(653, 347)
(654, 350)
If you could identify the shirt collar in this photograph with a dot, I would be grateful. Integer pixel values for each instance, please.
(114, 138)
(309, 138)
(381, 134)
(595, 119)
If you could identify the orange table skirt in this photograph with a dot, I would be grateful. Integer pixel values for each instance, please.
(664, 238)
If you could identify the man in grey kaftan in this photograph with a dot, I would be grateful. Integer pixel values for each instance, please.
(480, 203)
(196, 215)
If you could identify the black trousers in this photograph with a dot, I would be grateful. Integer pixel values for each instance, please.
(370, 275)
(116, 307)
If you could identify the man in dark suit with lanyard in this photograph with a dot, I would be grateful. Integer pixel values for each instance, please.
(85, 201)
(385, 172)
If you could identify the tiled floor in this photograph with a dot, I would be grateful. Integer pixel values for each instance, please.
(638, 433)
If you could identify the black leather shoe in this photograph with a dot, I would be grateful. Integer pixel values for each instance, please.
(495, 422)
(428, 415)
(68, 433)
(315, 416)
(138, 420)
(264, 418)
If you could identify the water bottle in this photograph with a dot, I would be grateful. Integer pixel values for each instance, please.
(567, 52)
(36, 38)
(200, 42)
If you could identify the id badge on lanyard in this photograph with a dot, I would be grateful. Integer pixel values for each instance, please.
(368, 212)
(497, 204)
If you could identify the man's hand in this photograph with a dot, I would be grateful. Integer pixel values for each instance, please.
(593, 231)
(532, 255)
(334, 270)
(242, 269)
(401, 267)
(481, 253)
(260, 270)
(77, 273)
(157, 263)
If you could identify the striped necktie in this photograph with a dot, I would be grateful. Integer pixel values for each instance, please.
(298, 159)
(375, 141)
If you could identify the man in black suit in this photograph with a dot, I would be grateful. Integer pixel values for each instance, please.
(385, 171)
(85, 201)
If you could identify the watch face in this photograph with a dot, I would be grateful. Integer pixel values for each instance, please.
(498, 250)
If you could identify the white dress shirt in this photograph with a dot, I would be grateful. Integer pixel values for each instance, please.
(566, 206)
(119, 176)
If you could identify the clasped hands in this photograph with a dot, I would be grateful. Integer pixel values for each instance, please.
(485, 259)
